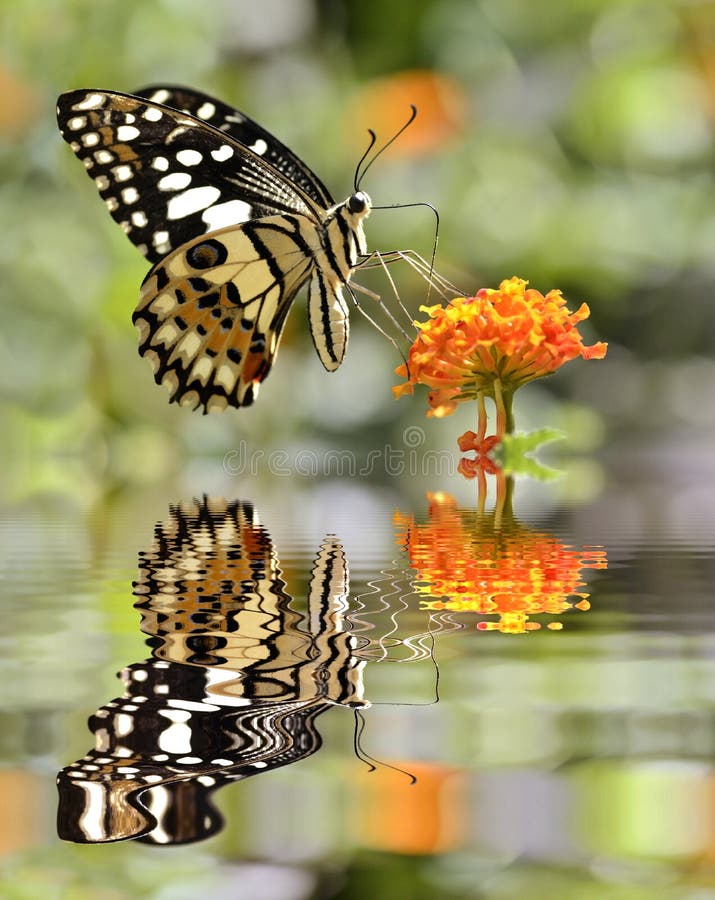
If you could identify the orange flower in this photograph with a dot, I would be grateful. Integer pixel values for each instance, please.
(383, 104)
(491, 344)
(466, 564)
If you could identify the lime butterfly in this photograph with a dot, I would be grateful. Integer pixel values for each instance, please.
(235, 225)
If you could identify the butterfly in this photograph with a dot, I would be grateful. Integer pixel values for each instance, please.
(234, 223)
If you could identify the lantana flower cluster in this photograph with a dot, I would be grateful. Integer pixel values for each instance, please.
(491, 344)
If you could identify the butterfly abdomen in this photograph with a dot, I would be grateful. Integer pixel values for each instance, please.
(342, 242)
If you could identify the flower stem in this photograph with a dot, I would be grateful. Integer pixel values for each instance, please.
(503, 400)
(481, 416)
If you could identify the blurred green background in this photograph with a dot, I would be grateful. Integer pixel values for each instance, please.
(568, 143)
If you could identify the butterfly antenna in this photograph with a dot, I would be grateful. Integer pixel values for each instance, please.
(370, 761)
(384, 147)
(430, 274)
(356, 179)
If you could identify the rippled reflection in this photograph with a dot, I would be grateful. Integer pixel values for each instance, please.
(237, 678)
(470, 561)
(240, 669)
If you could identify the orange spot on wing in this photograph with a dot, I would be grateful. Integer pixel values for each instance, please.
(126, 154)
(255, 367)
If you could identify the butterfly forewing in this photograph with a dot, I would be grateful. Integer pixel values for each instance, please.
(244, 130)
(168, 177)
(211, 314)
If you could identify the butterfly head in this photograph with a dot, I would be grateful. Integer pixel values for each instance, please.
(359, 204)
(357, 208)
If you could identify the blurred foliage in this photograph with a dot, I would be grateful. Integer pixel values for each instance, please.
(570, 144)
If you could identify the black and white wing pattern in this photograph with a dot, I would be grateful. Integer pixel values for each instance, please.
(244, 130)
(167, 176)
(234, 223)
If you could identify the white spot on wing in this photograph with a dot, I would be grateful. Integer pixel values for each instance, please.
(160, 96)
(91, 139)
(130, 195)
(167, 334)
(205, 111)
(160, 240)
(139, 219)
(202, 369)
(103, 156)
(127, 132)
(77, 122)
(122, 173)
(123, 724)
(91, 101)
(216, 403)
(176, 181)
(189, 345)
(91, 822)
(225, 377)
(230, 213)
(223, 153)
(191, 201)
(102, 182)
(176, 739)
(259, 147)
(151, 114)
(160, 163)
(189, 157)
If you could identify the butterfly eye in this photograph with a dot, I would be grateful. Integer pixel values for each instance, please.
(206, 254)
(357, 203)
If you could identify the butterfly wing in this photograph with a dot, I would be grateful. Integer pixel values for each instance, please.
(244, 130)
(211, 314)
(168, 177)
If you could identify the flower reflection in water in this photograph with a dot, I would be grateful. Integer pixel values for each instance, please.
(470, 561)
(237, 679)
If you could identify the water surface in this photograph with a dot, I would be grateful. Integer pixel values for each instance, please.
(336, 688)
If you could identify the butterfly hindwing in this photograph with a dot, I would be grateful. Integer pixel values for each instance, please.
(168, 177)
(244, 130)
(211, 314)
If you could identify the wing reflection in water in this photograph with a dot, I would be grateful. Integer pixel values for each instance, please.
(236, 682)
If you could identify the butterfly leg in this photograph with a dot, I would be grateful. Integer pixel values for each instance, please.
(352, 287)
(373, 295)
(425, 270)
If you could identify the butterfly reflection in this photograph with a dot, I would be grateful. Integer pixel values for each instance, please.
(237, 678)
